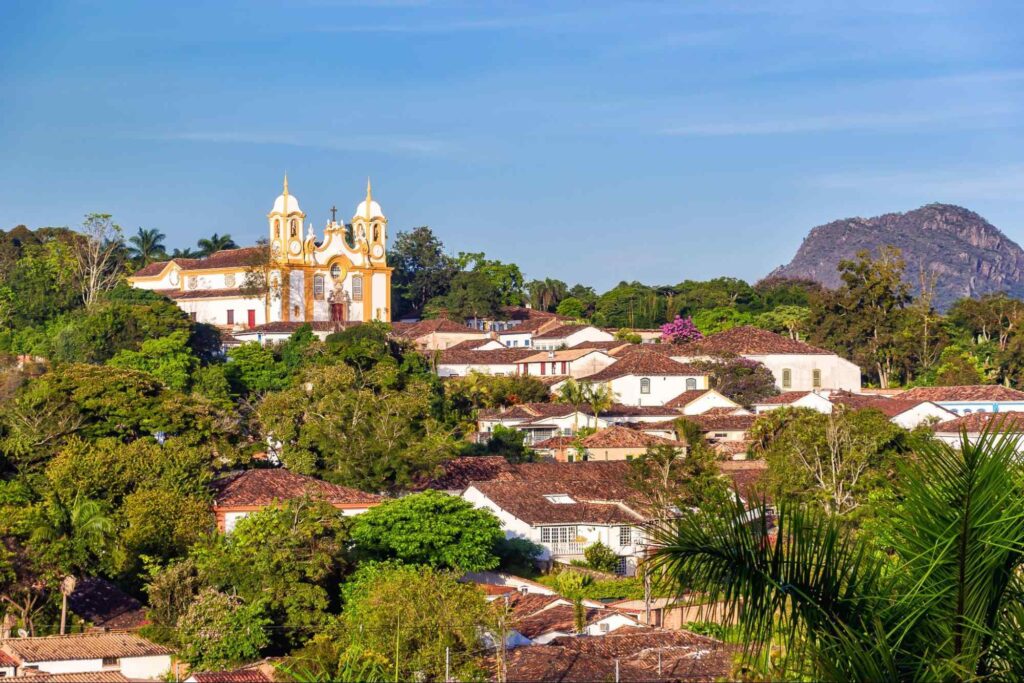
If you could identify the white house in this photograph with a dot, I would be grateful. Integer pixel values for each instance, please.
(565, 515)
(964, 400)
(644, 378)
(796, 366)
(460, 362)
(907, 413)
(1008, 423)
(795, 399)
(699, 401)
(567, 362)
(131, 655)
(564, 336)
(295, 277)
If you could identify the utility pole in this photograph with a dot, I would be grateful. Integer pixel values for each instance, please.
(447, 665)
(616, 670)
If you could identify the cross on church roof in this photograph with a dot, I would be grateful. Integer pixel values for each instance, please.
(334, 214)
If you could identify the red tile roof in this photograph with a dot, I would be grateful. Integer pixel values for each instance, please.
(547, 664)
(226, 258)
(981, 392)
(6, 660)
(555, 442)
(746, 475)
(890, 407)
(179, 294)
(556, 618)
(153, 269)
(82, 646)
(711, 423)
(458, 472)
(595, 502)
(610, 346)
(978, 422)
(686, 398)
(747, 340)
(290, 326)
(645, 364)
(249, 674)
(624, 437)
(560, 332)
(529, 411)
(266, 486)
(463, 356)
(783, 399)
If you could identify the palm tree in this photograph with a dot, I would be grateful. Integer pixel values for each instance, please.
(187, 252)
(147, 246)
(214, 243)
(573, 394)
(599, 397)
(944, 602)
(75, 532)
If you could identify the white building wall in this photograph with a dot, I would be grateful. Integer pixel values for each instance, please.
(214, 311)
(380, 296)
(296, 295)
(812, 401)
(968, 407)
(924, 413)
(836, 372)
(711, 399)
(151, 668)
(587, 334)
(461, 369)
(68, 666)
(664, 388)
(516, 339)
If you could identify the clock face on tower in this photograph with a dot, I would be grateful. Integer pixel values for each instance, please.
(378, 251)
(295, 248)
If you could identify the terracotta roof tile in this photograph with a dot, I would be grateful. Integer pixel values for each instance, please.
(624, 437)
(611, 346)
(595, 502)
(560, 332)
(564, 354)
(890, 407)
(746, 475)
(685, 398)
(556, 618)
(981, 392)
(85, 677)
(153, 269)
(619, 410)
(783, 399)
(290, 326)
(266, 486)
(208, 293)
(547, 664)
(463, 356)
(458, 472)
(83, 646)
(432, 326)
(249, 674)
(555, 442)
(644, 364)
(710, 423)
(747, 340)
(974, 423)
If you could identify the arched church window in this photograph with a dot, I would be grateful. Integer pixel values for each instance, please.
(336, 271)
(318, 287)
(277, 228)
(357, 287)
(293, 228)
(376, 233)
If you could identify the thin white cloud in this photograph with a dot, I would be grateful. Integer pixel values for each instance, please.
(394, 144)
(876, 121)
(1005, 183)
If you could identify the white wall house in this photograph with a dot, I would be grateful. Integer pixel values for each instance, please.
(461, 362)
(795, 399)
(1010, 424)
(131, 655)
(649, 379)
(564, 336)
(700, 401)
(965, 400)
(575, 363)
(563, 517)
(795, 365)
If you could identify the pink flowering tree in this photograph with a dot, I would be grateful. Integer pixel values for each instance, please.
(680, 331)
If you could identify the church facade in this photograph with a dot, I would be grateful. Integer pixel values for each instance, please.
(294, 278)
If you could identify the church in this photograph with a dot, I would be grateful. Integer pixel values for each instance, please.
(293, 278)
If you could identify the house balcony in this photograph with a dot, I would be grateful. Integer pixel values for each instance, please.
(561, 549)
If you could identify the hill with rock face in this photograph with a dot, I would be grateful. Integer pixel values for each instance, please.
(967, 255)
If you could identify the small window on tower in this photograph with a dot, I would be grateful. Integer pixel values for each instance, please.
(318, 287)
(691, 384)
(293, 228)
(277, 228)
(357, 287)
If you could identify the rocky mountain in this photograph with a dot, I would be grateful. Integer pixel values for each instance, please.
(967, 255)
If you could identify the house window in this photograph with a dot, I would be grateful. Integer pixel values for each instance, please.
(816, 379)
(720, 435)
(231, 317)
(625, 535)
(645, 385)
(787, 378)
(557, 534)
(357, 287)
(622, 567)
(603, 627)
(318, 287)
(111, 663)
(560, 499)
(691, 384)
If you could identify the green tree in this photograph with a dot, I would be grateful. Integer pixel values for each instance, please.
(220, 631)
(168, 358)
(506, 277)
(861, 320)
(374, 430)
(253, 369)
(576, 395)
(73, 534)
(833, 460)
(601, 557)
(98, 257)
(147, 246)
(430, 528)
(411, 636)
(630, 304)
(599, 397)
(422, 270)
(944, 602)
(719, 319)
(571, 307)
(546, 294)
(788, 320)
(472, 295)
(740, 379)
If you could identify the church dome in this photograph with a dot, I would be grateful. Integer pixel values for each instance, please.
(375, 211)
(293, 204)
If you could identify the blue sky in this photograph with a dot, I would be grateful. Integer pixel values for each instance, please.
(589, 141)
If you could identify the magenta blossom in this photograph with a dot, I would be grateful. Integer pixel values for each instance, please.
(680, 331)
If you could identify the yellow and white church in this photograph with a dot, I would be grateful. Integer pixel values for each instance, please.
(295, 278)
